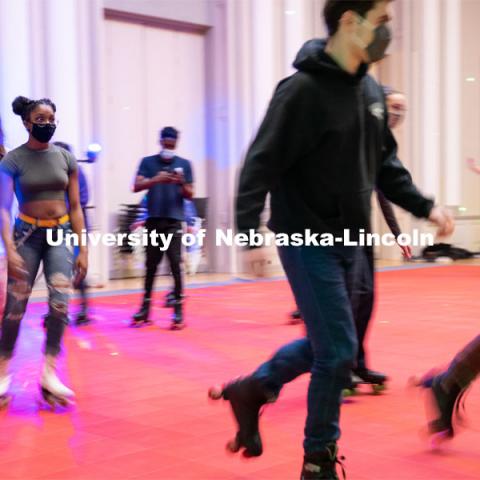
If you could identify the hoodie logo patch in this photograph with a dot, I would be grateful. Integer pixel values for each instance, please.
(377, 110)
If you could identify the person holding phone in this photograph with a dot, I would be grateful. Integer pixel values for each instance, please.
(168, 179)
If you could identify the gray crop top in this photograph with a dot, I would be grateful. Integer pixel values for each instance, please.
(39, 175)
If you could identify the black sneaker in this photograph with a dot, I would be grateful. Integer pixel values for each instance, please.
(322, 465)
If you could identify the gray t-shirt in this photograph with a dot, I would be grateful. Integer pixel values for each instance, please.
(39, 175)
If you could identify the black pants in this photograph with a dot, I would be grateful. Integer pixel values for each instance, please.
(154, 254)
(363, 299)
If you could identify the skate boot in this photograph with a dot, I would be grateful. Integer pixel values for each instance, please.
(377, 380)
(246, 397)
(447, 405)
(53, 391)
(177, 317)
(141, 317)
(351, 388)
(5, 397)
(322, 465)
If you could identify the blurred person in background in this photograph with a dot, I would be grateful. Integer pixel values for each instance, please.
(169, 180)
(364, 285)
(82, 317)
(447, 388)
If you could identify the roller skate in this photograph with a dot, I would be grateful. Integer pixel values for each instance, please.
(141, 319)
(5, 397)
(53, 391)
(177, 317)
(364, 376)
(447, 405)
(295, 318)
(376, 380)
(246, 397)
(322, 465)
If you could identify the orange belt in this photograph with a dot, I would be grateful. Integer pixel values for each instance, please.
(44, 223)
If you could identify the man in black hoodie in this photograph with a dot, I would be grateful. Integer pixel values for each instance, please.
(322, 148)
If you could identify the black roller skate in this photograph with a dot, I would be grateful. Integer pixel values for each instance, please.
(447, 406)
(246, 397)
(364, 376)
(177, 317)
(141, 317)
(322, 465)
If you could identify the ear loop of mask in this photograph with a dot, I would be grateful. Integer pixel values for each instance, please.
(359, 42)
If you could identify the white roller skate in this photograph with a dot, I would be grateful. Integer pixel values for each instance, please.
(53, 391)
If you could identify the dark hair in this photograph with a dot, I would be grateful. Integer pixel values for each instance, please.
(63, 145)
(334, 9)
(23, 106)
(169, 132)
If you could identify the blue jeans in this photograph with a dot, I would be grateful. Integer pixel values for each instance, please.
(32, 246)
(322, 280)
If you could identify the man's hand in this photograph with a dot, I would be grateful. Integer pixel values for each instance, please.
(443, 219)
(163, 177)
(256, 261)
(178, 178)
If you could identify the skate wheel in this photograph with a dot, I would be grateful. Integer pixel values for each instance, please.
(438, 439)
(378, 389)
(215, 393)
(349, 392)
(233, 446)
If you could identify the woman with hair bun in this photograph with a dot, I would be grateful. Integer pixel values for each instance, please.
(40, 175)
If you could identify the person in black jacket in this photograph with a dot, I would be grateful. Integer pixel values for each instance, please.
(322, 148)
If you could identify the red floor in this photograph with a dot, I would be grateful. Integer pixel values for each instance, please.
(142, 410)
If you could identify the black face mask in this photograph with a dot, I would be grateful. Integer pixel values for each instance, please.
(43, 132)
(377, 49)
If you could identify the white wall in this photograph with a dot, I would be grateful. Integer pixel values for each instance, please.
(155, 78)
(190, 11)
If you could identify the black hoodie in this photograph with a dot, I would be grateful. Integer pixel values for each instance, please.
(322, 148)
